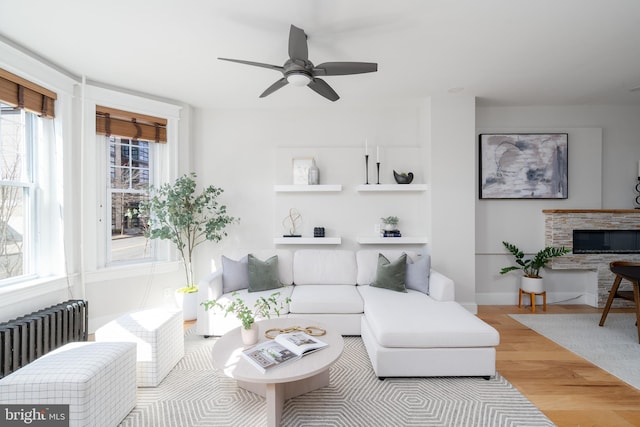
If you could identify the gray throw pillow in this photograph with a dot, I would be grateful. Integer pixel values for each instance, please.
(235, 274)
(418, 274)
(263, 275)
(391, 275)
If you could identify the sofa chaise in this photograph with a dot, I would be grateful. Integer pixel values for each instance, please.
(412, 329)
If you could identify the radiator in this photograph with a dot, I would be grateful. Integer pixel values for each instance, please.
(28, 337)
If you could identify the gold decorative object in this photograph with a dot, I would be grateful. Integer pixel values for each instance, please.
(314, 331)
(291, 222)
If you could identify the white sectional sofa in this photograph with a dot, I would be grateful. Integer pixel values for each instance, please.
(414, 333)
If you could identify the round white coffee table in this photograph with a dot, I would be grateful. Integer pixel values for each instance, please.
(297, 377)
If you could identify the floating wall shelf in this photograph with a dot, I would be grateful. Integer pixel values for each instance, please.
(307, 240)
(307, 188)
(392, 187)
(373, 240)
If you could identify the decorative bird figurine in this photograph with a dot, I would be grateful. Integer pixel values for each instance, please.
(403, 178)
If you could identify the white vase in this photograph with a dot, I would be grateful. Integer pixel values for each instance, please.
(188, 303)
(532, 284)
(249, 336)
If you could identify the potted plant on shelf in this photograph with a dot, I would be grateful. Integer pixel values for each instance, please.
(176, 213)
(531, 279)
(262, 308)
(390, 222)
(390, 227)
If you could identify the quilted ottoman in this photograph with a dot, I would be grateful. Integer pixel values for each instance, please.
(159, 336)
(96, 380)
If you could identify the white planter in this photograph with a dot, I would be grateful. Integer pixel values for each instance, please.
(530, 284)
(188, 303)
(249, 336)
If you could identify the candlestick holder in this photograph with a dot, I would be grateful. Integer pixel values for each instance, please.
(366, 167)
(378, 167)
(638, 196)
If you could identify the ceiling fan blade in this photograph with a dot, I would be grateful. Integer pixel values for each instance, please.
(321, 87)
(298, 49)
(274, 87)
(344, 68)
(255, 64)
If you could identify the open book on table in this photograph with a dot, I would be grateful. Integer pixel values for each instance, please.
(282, 349)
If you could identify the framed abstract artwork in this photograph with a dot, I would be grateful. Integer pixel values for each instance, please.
(524, 166)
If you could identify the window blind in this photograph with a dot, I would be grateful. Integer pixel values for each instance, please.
(125, 124)
(23, 94)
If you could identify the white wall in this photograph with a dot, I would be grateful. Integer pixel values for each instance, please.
(451, 158)
(604, 149)
(246, 152)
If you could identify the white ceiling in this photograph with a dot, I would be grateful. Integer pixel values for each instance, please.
(505, 52)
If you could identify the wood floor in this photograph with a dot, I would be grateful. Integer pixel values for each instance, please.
(566, 388)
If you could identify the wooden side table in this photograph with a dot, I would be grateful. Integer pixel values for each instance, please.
(532, 296)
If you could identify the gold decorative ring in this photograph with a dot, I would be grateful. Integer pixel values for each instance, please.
(314, 331)
(272, 333)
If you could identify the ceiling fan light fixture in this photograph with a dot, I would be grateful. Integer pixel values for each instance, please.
(298, 70)
(298, 79)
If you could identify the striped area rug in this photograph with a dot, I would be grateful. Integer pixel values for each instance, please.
(194, 394)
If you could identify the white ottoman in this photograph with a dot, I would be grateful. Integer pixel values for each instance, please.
(159, 336)
(96, 380)
(412, 335)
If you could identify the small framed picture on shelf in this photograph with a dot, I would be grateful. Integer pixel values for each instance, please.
(301, 167)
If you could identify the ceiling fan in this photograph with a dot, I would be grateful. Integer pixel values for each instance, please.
(299, 71)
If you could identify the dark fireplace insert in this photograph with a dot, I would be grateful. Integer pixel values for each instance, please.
(606, 241)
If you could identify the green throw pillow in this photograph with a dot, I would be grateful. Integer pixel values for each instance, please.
(391, 275)
(263, 275)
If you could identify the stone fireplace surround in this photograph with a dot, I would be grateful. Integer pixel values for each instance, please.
(559, 226)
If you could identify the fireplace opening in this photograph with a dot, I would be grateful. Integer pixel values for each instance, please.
(606, 241)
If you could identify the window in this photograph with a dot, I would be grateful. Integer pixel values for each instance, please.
(17, 183)
(129, 179)
(30, 209)
(132, 140)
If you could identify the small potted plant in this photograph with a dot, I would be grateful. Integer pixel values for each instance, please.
(531, 279)
(390, 223)
(262, 308)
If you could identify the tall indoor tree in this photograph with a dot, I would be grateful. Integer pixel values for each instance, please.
(175, 212)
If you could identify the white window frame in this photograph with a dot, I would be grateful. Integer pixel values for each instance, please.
(96, 229)
(29, 197)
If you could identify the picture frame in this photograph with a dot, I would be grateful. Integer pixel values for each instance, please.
(300, 166)
(524, 166)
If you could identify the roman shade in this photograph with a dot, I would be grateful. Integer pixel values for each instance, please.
(125, 124)
(23, 94)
